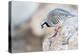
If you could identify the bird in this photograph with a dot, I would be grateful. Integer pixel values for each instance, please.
(56, 16)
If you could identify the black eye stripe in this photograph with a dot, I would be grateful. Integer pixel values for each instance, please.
(45, 23)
